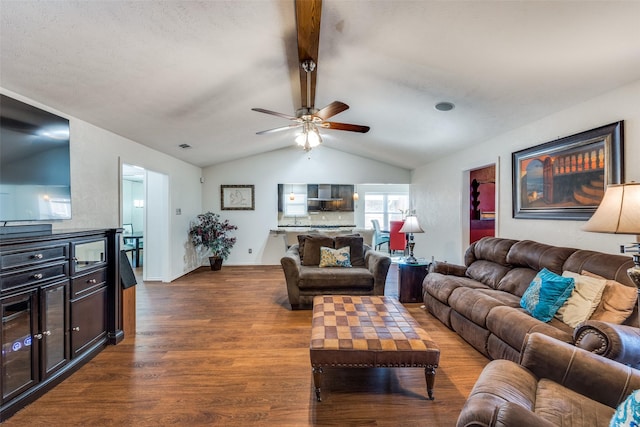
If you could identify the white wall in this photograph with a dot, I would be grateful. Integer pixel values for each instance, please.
(268, 170)
(96, 155)
(440, 189)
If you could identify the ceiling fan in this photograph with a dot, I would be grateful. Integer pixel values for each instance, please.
(309, 118)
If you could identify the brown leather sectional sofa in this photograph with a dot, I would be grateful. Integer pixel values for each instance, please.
(481, 300)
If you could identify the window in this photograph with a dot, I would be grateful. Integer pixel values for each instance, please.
(384, 207)
(295, 202)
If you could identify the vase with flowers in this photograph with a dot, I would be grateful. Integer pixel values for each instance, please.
(211, 235)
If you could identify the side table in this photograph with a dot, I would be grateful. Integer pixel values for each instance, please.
(410, 281)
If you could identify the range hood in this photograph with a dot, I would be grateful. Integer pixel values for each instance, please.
(324, 194)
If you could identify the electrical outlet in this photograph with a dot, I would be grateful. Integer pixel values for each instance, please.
(250, 250)
(178, 211)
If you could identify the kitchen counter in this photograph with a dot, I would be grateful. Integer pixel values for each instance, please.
(317, 226)
(290, 233)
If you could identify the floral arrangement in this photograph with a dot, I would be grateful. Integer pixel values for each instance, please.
(208, 231)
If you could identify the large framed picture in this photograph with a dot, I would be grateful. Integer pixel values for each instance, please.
(237, 198)
(566, 178)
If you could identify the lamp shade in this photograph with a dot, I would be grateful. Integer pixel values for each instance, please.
(411, 225)
(619, 211)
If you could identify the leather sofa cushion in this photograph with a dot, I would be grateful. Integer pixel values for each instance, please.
(517, 280)
(310, 248)
(489, 248)
(562, 406)
(335, 278)
(487, 272)
(473, 304)
(537, 256)
(440, 286)
(606, 265)
(512, 325)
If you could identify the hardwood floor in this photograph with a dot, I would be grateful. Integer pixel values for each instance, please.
(223, 348)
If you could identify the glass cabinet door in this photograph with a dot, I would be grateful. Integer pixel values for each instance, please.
(19, 346)
(54, 326)
(89, 254)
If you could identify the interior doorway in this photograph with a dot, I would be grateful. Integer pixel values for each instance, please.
(482, 203)
(145, 221)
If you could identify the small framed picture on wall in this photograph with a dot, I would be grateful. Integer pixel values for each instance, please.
(237, 197)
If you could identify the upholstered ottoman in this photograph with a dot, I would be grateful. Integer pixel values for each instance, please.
(368, 332)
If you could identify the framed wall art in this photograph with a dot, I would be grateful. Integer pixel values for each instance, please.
(237, 198)
(566, 178)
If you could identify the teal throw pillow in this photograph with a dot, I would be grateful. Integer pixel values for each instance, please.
(546, 294)
(628, 412)
(330, 257)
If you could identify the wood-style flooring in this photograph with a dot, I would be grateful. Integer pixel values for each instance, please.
(223, 348)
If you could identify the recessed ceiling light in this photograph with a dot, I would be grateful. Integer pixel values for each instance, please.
(185, 146)
(445, 106)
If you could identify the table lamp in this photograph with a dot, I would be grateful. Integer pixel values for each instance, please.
(411, 226)
(619, 213)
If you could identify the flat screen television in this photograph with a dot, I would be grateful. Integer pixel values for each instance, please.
(35, 167)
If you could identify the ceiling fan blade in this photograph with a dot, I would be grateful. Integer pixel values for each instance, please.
(274, 113)
(278, 129)
(346, 126)
(308, 14)
(336, 107)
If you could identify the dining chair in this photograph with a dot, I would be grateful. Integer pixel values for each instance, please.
(380, 237)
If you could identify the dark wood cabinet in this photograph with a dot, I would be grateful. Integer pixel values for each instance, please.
(59, 297)
(410, 281)
(339, 198)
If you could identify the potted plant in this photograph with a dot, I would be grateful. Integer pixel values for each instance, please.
(210, 234)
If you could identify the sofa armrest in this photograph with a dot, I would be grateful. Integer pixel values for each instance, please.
(511, 414)
(378, 264)
(593, 376)
(617, 342)
(446, 268)
(291, 264)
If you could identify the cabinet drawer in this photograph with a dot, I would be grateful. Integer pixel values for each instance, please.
(87, 282)
(25, 258)
(34, 276)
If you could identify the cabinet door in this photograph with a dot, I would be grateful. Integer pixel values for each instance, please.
(19, 343)
(88, 320)
(87, 255)
(345, 192)
(54, 327)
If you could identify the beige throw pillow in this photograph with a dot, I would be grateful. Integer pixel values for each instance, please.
(583, 301)
(618, 301)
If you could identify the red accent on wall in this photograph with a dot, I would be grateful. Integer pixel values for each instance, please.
(482, 194)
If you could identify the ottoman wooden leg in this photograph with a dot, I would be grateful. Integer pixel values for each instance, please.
(430, 376)
(317, 381)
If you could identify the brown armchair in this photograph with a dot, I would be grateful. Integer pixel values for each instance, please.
(555, 383)
(305, 279)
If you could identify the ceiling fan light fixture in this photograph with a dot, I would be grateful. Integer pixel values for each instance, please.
(314, 137)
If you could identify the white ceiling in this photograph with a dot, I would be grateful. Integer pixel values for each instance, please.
(164, 73)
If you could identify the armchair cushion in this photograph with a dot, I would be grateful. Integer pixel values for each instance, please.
(335, 257)
(310, 252)
(356, 248)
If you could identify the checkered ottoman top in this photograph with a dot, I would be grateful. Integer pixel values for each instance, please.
(368, 331)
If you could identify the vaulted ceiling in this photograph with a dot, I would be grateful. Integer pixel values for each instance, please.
(165, 73)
